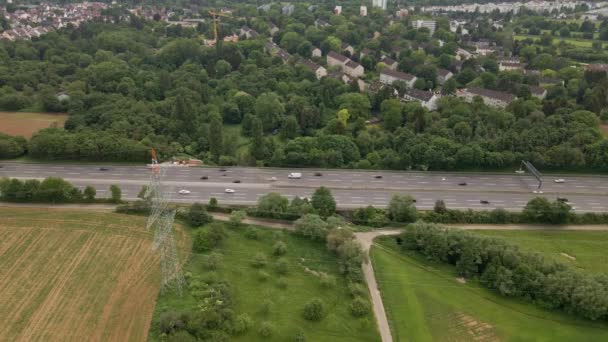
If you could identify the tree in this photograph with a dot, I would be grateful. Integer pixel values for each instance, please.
(236, 218)
(216, 138)
(258, 145)
(279, 248)
(392, 116)
(323, 202)
(272, 203)
(89, 193)
(270, 110)
(314, 310)
(116, 193)
(440, 207)
(266, 329)
(290, 128)
(312, 226)
(401, 209)
(197, 215)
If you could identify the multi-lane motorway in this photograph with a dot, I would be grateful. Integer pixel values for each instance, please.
(351, 188)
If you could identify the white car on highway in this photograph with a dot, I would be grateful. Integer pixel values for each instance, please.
(272, 179)
(294, 175)
(560, 180)
(229, 191)
(184, 192)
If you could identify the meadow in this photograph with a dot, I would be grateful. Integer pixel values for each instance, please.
(425, 301)
(26, 124)
(267, 296)
(70, 275)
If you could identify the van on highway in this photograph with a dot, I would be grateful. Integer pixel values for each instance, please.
(294, 175)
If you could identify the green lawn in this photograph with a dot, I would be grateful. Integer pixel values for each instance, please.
(588, 248)
(425, 302)
(285, 313)
(580, 42)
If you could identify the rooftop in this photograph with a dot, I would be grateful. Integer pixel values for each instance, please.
(398, 74)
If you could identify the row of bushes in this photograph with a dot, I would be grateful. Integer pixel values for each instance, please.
(12, 147)
(503, 267)
(50, 190)
(537, 210)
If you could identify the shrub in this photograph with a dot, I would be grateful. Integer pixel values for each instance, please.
(265, 307)
(312, 226)
(279, 248)
(236, 218)
(197, 215)
(116, 196)
(359, 307)
(259, 260)
(207, 239)
(89, 193)
(327, 281)
(211, 261)
(282, 283)
(252, 234)
(263, 276)
(212, 204)
(440, 207)
(242, 323)
(282, 267)
(171, 321)
(313, 310)
(356, 290)
(266, 329)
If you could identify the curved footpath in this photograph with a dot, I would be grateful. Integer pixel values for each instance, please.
(366, 239)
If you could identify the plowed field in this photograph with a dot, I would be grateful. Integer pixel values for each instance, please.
(76, 276)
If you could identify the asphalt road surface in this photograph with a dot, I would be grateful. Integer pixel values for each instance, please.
(351, 188)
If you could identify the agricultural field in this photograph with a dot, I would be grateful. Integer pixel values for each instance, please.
(269, 297)
(426, 301)
(26, 124)
(76, 276)
(580, 42)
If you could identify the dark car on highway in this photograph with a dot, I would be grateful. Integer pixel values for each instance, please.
(378, 177)
(104, 169)
(318, 174)
(562, 199)
(204, 177)
(462, 183)
(484, 202)
(236, 181)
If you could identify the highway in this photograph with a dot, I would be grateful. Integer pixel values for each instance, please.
(351, 188)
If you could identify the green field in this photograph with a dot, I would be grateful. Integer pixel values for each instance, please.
(580, 42)
(306, 259)
(426, 302)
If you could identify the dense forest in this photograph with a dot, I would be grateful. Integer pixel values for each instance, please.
(138, 84)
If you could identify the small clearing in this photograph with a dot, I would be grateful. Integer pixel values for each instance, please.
(26, 124)
(461, 280)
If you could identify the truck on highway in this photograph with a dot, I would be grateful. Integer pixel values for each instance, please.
(294, 175)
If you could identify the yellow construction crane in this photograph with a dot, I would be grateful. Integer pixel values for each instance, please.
(214, 15)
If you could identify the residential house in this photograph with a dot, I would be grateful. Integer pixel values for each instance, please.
(274, 50)
(338, 75)
(334, 59)
(462, 54)
(427, 99)
(390, 63)
(597, 68)
(316, 52)
(379, 4)
(348, 48)
(538, 92)
(363, 11)
(264, 8)
(401, 13)
(248, 32)
(364, 52)
(353, 69)
(288, 9)
(443, 75)
(396, 51)
(550, 81)
(273, 28)
(321, 23)
(483, 48)
(510, 65)
(338, 10)
(490, 97)
(316, 69)
(388, 76)
(429, 24)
